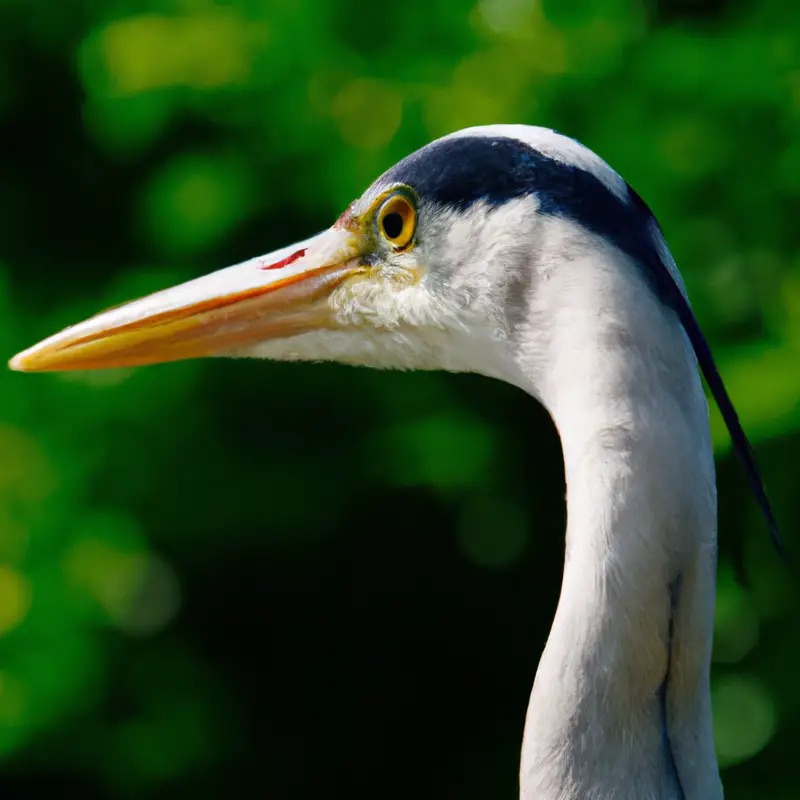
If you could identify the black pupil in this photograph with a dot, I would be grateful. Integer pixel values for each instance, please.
(393, 224)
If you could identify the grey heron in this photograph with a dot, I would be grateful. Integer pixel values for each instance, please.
(517, 253)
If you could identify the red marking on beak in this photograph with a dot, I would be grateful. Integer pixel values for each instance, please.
(286, 261)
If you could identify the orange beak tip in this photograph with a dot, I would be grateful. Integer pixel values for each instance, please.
(17, 363)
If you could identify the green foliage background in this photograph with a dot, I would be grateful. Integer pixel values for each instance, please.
(290, 581)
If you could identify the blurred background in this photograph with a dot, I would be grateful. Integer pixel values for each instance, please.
(284, 581)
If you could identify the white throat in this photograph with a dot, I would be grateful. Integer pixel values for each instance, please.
(620, 706)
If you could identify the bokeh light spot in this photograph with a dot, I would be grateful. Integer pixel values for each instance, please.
(693, 147)
(138, 591)
(736, 622)
(450, 451)
(194, 200)
(154, 603)
(201, 51)
(24, 471)
(505, 16)
(368, 113)
(744, 718)
(15, 598)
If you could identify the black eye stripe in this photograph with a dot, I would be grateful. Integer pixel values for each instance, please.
(392, 224)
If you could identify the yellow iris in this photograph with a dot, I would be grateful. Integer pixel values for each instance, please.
(397, 220)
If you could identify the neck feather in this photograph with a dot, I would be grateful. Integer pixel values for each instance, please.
(620, 706)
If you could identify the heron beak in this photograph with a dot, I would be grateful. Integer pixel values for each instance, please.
(281, 294)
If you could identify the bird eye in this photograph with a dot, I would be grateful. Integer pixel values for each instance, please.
(397, 220)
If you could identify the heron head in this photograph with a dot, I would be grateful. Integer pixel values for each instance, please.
(453, 259)
(430, 268)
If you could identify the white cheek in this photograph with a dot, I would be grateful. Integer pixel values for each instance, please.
(394, 325)
(383, 326)
(389, 303)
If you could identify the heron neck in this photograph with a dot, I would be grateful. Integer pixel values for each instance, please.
(620, 705)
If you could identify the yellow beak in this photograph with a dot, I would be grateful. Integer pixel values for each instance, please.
(278, 295)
